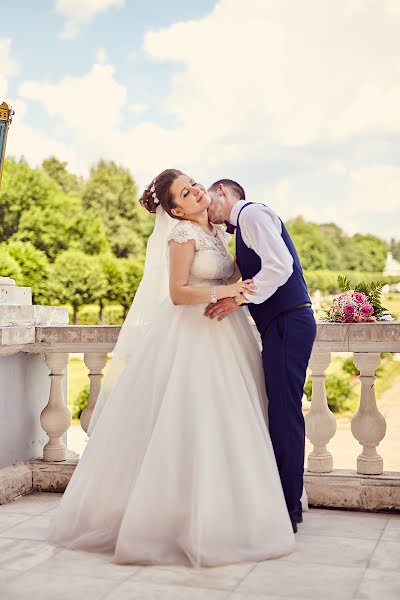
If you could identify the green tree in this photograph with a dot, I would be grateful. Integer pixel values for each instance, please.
(310, 243)
(77, 279)
(111, 192)
(9, 266)
(22, 189)
(336, 243)
(35, 268)
(133, 273)
(57, 170)
(113, 272)
(368, 253)
(62, 225)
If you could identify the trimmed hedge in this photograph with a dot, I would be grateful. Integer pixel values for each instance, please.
(326, 281)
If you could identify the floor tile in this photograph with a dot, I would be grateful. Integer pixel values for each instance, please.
(222, 578)
(236, 596)
(35, 528)
(379, 586)
(332, 551)
(141, 590)
(7, 575)
(8, 520)
(391, 533)
(86, 563)
(32, 504)
(330, 512)
(339, 526)
(24, 554)
(289, 580)
(386, 556)
(60, 587)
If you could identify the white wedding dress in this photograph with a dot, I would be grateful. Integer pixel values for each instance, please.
(179, 468)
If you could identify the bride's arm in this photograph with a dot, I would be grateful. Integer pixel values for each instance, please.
(181, 260)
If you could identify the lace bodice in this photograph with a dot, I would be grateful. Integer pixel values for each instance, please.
(212, 260)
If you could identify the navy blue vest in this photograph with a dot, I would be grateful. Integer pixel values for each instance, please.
(289, 295)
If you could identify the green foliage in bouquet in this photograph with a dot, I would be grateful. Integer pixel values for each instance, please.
(372, 290)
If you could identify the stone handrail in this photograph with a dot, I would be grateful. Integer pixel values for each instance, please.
(366, 341)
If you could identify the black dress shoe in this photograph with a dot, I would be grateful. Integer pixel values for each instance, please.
(294, 525)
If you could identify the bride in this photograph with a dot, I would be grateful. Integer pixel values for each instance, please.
(179, 468)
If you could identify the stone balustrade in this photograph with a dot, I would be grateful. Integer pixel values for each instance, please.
(325, 485)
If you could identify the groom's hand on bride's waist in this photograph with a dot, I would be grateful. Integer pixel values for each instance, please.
(221, 309)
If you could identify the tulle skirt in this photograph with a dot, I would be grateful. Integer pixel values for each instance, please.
(180, 468)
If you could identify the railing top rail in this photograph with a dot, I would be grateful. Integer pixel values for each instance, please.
(331, 337)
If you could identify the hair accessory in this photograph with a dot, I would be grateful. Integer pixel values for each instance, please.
(154, 195)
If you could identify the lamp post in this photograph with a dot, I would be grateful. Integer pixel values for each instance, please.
(6, 114)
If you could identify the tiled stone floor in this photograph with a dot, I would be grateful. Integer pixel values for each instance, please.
(340, 555)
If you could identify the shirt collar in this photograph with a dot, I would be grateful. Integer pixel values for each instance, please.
(237, 207)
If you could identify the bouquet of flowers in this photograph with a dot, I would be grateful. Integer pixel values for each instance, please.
(362, 304)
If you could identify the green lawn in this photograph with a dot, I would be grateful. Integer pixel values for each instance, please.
(77, 378)
(392, 303)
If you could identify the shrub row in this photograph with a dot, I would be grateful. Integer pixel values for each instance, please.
(326, 281)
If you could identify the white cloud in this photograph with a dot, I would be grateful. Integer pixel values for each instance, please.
(8, 67)
(24, 139)
(375, 189)
(374, 110)
(263, 90)
(89, 106)
(287, 73)
(137, 108)
(80, 12)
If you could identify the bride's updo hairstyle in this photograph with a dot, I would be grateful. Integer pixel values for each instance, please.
(158, 193)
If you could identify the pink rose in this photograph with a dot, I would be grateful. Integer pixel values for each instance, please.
(356, 318)
(348, 310)
(341, 319)
(363, 319)
(366, 310)
(359, 297)
(371, 319)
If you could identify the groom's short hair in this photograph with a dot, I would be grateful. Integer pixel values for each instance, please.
(234, 186)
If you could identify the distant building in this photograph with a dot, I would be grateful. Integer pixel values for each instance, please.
(392, 266)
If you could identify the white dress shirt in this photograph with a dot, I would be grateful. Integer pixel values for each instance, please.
(261, 231)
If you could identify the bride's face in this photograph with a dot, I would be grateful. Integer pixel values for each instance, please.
(190, 198)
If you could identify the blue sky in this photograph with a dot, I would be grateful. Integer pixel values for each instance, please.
(298, 101)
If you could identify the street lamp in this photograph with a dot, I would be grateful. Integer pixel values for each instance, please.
(6, 114)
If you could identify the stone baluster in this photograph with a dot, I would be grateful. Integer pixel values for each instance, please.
(95, 363)
(368, 424)
(56, 417)
(320, 422)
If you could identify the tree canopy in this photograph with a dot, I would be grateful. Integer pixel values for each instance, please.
(78, 240)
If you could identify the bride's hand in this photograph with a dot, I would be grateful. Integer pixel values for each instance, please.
(241, 287)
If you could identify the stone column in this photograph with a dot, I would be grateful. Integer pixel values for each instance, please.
(368, 424)
(320, 422)
(95, 363)
(56, 417)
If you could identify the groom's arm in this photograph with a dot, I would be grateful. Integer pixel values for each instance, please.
(261, 231)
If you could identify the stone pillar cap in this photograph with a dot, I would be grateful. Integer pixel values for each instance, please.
(7, 281)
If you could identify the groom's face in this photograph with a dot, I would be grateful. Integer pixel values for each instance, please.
(216, 212)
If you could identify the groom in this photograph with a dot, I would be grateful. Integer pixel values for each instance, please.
(281, 309)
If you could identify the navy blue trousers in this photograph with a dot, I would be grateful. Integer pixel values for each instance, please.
(287, 344)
